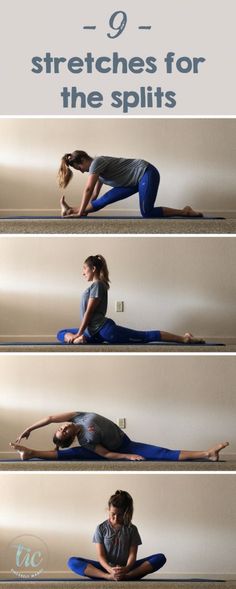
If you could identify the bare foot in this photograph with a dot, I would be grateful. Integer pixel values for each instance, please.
(80, 340)
(25, 453)
(189, 338)
(65, 209)
(213, 453)
(189, 212)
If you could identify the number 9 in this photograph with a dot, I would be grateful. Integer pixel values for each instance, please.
(121, 23)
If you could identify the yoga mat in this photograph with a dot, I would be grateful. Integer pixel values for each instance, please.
(28, 343)
(107, 461)
(206, 217)
(81, 580)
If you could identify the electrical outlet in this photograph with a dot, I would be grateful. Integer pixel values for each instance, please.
(121, 422)
(119, 306)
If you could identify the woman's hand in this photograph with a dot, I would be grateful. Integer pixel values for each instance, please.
(25, 434)
(83, 213)
(133, 457)
(69, 337)
(118, 573)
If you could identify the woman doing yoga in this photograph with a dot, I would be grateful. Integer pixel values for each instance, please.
(126, 176)
(96, 328)
(117, 541)
(99, 439)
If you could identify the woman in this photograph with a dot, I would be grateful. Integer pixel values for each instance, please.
(95, 327)
(100, 439)
(117, 541)
(126, 176)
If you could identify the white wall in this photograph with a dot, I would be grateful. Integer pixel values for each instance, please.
(196, 159)
(190, 518)
(168, 283)
(177, 402)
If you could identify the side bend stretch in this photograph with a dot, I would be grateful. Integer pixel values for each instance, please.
(101, 439)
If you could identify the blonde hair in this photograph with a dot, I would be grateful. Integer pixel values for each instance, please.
(65, 174)
(100, 264)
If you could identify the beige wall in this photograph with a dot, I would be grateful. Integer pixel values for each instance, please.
(173, 284)
(196, 159)
(184, 402)
(190, 518)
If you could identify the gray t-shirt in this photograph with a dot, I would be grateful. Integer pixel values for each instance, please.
(97, 290)
(97, 429)
(120, 171)
(117, 543)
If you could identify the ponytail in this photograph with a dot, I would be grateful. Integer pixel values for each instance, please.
(65, 173)
(69, 159)
(123, 500)
(100, 264)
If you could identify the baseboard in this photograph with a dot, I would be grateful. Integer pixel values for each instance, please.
(51, 338)
(111, 211)
(54, 575)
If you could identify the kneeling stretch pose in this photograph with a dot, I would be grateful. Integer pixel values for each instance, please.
(126, 176)
(100, 439)
(96, 328)
(117, 541)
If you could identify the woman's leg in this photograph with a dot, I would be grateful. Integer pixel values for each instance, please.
(61, 334)
(66, 209)
(82, 339)
(116, 334)
(29, 453)
(151, 452)
(148, 188)
(87, 568)
(211, 454)
(114, 195)
(187, 338)
(77, 453)
(146, 566)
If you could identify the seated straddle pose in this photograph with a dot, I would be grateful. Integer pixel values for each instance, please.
(126, 176)
(96, 328)
(99, 439)
(117, 541)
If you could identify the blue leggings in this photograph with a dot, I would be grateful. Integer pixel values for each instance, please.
(147, 189)
(114, 334)
(148, 451)
(78, 565)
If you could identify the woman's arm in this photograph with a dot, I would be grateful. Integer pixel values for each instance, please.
(59, 418)
(131, 558)
(91, 306)
(102, 558)
(97, 189)
(88, 192)
(101, 451)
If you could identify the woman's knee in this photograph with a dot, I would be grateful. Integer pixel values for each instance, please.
(147, 212)
(72, 563)
(162, 558)
(157, 561)
(61, 335)
(77, 565)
